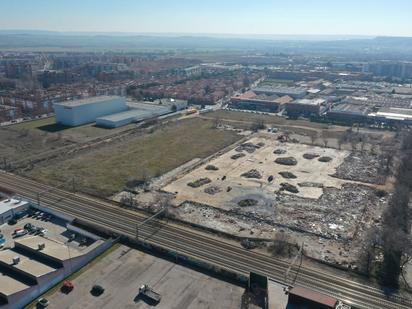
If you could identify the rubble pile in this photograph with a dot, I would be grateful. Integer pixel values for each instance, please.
(288, 175)
(310, 185)
(363, 167)
(200, 182)
(286, 161)
(237, 156)
(252, 174)
(325, 159)
(284, 186)
(211, 168)
(212, 190)
(247, 203)
(248, 147)
(310, 156)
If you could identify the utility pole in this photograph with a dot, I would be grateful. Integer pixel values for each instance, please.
(299, 254)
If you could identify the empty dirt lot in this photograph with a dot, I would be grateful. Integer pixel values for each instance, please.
(124, 270)
(106, 169)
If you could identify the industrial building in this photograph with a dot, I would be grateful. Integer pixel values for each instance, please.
(264, 103)
(10, 207)
(294, 92)
(130, 116)
(349, 113)
(79, 112)
(32, 264)
(393, 115)
(141, 111)
(306, 107)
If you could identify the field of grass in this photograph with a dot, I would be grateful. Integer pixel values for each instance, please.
(30, 138)
(249, 118)
(105, 170)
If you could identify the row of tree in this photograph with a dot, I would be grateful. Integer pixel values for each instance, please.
(396, 240)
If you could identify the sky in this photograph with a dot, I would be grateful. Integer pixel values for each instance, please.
(288, 17)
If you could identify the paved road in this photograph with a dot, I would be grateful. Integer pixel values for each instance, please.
(197, 245)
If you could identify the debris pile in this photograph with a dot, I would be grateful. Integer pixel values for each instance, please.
(248, 147)
(252, 174)
(247, 202)
(288, 175)
(200, 182)
(310, 156)
(211, 168)
(286, 161)
(364, 167)
(237, 156)
(310, 185)
(325, 159)
(284, 186)
(212, 190)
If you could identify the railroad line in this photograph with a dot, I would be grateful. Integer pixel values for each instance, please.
(197, 245)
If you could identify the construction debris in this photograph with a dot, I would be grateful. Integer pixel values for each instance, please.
(237, 156)
(248, 147)
(247, 203)
(288, 175)
(325, 159)
(212, 190)
(286, 161)
(200, 182)
(310, 185)
(211, 168)
(310, 156)
(252, 174)
(284, 186)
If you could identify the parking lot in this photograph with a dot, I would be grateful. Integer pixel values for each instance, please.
(124, 270)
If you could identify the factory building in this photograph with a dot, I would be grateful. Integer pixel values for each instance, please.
(10, 207)
(294, 92)
(349, 113)
(140, 111)
(130, 116)
(79, 112)
(263, 103)
(306, 107)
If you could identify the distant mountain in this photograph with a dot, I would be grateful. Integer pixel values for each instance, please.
(391, 47)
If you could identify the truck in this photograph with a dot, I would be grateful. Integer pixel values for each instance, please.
(148, 292)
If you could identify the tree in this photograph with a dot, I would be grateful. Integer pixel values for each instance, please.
(257, 125)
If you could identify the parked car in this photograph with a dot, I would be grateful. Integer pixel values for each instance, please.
(67, 287)
(43, 302)
(12, 221)
(19, 232)
(97, 290)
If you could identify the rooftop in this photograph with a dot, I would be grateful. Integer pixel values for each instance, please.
(347, 108)
(26, 264)
(280, 89)
(310, 101)
(9, 285)
(98, 99)
(58, 250)
(137, 114)
(395, 113)
(8, 204)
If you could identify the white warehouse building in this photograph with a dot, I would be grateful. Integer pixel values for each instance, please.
(79, 112)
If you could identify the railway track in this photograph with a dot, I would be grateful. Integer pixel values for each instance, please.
(197, 245)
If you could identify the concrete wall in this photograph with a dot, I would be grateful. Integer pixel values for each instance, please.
(87, 113)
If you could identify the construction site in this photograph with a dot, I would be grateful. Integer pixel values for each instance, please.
(277, 186)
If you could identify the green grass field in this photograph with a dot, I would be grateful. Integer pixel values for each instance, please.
(104, 171)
